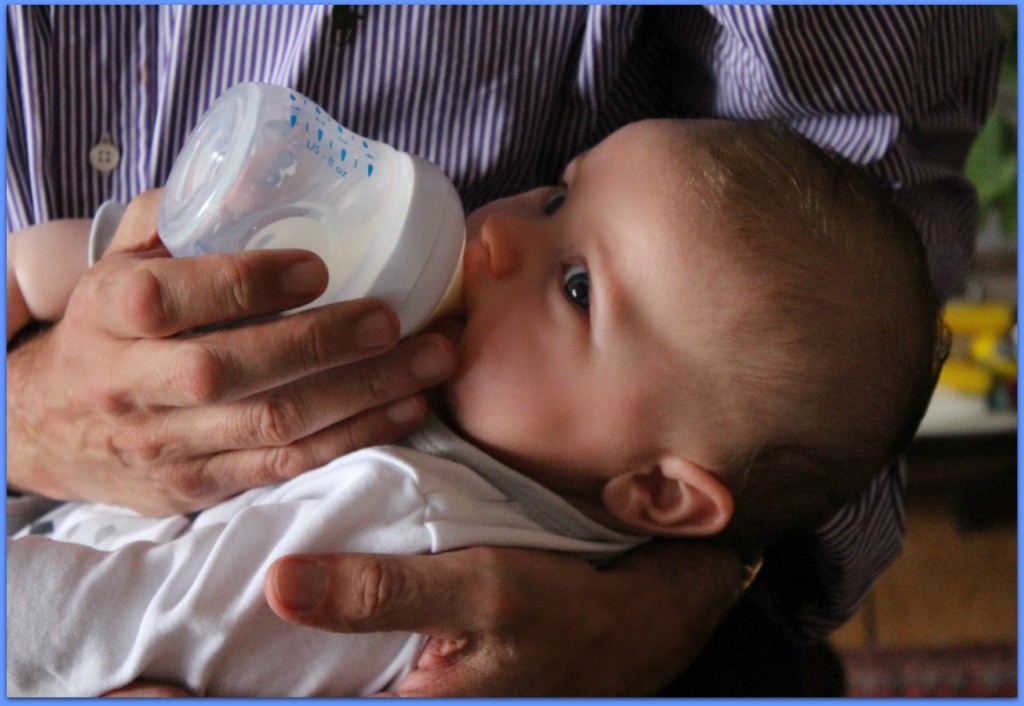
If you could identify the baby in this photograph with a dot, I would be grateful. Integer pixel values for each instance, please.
(708, 328)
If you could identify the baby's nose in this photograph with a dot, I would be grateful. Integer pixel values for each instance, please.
(501, 234)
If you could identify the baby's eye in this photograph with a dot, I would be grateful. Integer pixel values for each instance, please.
(576, 285)
(554, 203)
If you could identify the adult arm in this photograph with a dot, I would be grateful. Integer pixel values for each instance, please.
(523, 623)
(122, 401)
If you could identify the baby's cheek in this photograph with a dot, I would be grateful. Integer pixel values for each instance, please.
(502, 387)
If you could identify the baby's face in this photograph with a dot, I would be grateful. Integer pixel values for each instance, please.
(588, 310)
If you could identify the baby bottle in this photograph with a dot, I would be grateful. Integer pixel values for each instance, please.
(268, 168)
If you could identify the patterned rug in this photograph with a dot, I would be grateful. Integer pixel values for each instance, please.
(979, 671)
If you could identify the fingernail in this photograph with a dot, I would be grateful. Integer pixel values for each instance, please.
(375, 330)
(431, 361)
(302, 279)
(404, 411)
(300, 585)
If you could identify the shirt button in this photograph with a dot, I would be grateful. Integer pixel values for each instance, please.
(104, 155)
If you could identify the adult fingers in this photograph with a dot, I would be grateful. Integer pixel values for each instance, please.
(366, 402)
(236, 363)
(201, 480)
(137, 230)
(153, 297)
(144, 293)
(254, 467)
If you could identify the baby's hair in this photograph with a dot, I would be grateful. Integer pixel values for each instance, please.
(844, 310)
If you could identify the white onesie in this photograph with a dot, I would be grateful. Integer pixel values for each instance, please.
(121, 597)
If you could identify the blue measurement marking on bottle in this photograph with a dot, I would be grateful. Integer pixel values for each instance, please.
(315, 148)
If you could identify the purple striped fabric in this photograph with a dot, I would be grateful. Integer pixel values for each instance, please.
(502, 96)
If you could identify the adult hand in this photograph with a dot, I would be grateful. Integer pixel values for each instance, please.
(122, 401)
(505, 622)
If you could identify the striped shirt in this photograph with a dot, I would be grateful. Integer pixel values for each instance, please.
(502, 97)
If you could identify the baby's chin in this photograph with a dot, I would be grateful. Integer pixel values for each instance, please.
(445, 404)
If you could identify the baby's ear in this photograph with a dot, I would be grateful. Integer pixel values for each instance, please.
(675, 498)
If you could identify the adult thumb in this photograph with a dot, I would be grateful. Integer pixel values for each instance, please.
(356, 593)
(134, 230)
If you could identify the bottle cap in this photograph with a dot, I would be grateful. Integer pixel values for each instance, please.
(214, 155)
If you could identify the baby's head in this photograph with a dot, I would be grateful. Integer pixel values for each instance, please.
(709, 325)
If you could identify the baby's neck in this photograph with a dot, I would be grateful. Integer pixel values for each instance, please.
(594, 509)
